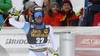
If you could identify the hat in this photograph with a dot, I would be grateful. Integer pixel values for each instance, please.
(67, 1)
(52, 4)
(36, 8)
(28, 4)
(89, 4)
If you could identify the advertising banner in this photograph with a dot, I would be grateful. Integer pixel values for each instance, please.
(19, 41)
(87, 45)
(87, 41)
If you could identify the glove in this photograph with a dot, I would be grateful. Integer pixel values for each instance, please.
(10, 16)
(13, 11)
(55, 53)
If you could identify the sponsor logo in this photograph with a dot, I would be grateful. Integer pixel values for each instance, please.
(20, 41)
(46, 31)
(90, 41)
(67, 39)
(16, 41)
(39, 45)
(39, 33)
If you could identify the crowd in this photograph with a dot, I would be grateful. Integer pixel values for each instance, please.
(58, 13)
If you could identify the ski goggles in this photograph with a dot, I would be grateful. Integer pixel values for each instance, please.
(37, 14)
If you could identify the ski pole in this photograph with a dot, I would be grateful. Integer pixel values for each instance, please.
(54, 54)
(3, 23)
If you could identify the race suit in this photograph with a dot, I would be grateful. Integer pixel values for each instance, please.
(37, 36)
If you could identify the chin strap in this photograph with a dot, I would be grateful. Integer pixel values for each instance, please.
(37, 23)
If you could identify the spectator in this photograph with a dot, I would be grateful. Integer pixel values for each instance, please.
(26, 17)
(80, 16)
(26, 13)
(5, 5)
(71, 19)
(88, 19)
(46, 6)
(80, 13)
(53, 13)
(59, 2)
(37, 2)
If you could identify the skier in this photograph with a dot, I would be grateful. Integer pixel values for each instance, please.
(37, 33)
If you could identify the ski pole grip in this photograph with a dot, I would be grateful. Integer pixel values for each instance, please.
(55, 54)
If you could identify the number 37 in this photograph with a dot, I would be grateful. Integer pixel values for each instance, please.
(39, 40)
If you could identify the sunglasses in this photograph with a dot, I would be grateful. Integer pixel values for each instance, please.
(37, 14)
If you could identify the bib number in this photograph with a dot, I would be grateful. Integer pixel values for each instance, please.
(39, 40)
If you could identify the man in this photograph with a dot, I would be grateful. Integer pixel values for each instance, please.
(37, 33)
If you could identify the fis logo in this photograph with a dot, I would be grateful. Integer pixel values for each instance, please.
(16, 41)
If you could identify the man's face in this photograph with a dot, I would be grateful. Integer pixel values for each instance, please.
(39, 19)
(66, 7)
(55, 9)
(46, 2)
(38, 16)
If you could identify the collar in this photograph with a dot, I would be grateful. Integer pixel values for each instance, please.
(64, 11)
(39, 26)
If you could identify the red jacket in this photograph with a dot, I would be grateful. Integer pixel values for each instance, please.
(52, 20)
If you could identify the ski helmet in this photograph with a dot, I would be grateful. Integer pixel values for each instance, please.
(36, 12)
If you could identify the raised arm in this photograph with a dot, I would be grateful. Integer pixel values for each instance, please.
(22, 25)
(16, 23)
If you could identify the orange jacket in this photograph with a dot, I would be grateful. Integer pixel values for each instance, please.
(52, 20)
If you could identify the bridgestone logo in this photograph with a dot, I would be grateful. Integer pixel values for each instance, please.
(19, 41)
(16, 41)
